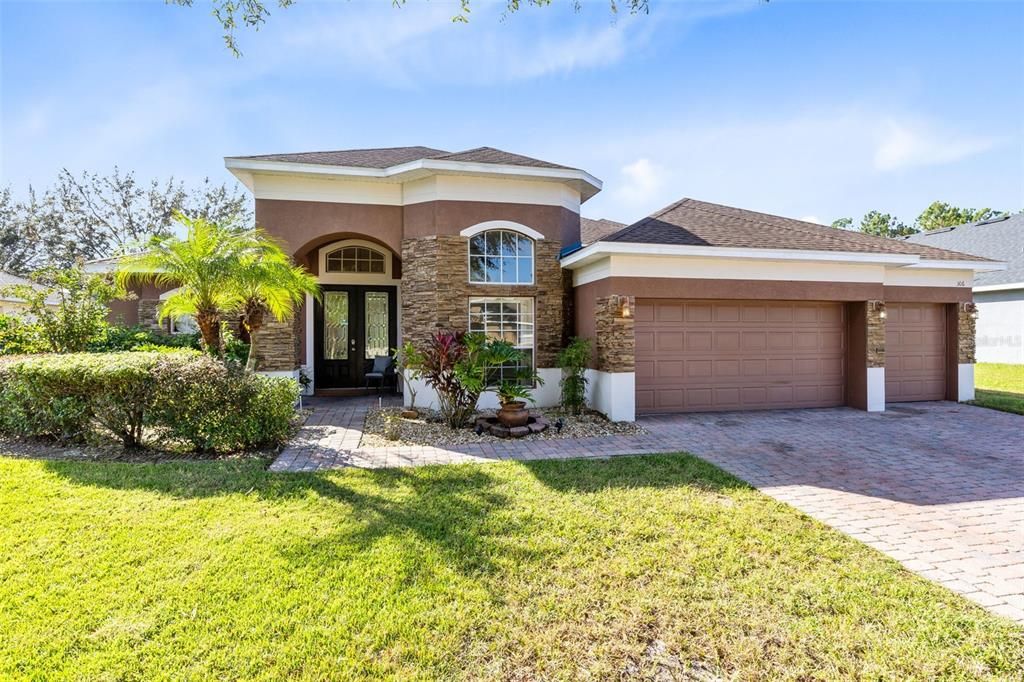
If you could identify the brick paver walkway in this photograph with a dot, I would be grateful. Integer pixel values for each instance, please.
(937, 486)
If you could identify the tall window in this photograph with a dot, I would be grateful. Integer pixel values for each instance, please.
(500, 257)
(508, 319)
(355, 259)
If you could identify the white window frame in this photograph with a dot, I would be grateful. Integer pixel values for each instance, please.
(519, 300)
(502, 228)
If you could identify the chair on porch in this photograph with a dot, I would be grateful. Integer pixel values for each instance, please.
(383, 371)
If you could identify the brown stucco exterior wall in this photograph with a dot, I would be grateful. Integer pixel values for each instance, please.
(298, 224)
(857, 355)
(928, 294)
(436, 292)
(451, 217)
(125, 312)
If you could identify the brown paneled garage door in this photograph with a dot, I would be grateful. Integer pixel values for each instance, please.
(699, 356)
(915, 352)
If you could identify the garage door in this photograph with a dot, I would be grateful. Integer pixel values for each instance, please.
(699, 356)
(915, 352)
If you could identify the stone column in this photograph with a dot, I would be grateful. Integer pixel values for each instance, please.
(965, 329)
(875, 322)
(613, 389)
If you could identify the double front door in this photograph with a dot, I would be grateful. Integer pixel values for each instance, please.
(352, 326)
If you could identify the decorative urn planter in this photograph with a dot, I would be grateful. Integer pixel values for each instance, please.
(514, 413)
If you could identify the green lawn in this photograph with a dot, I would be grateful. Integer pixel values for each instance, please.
(999, 386)
(550, 570)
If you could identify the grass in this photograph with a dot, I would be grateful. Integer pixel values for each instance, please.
(548, 570)
(999, 386)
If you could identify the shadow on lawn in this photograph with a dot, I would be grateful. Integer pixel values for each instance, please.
(467, 513)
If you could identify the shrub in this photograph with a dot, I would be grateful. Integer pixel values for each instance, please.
(459, 367)
(113, 339)
(18, 337)
(218, 407)
(67, 396)
(573, 361)
(70, 305)
(182, 395)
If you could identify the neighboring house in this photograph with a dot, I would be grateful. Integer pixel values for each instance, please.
(11, 305)
(999, 295)
(698, 307)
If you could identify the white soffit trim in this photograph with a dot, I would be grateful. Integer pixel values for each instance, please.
(243, 169)
(501, 225)
(602, 249)
(1000, 287)
(976, 266)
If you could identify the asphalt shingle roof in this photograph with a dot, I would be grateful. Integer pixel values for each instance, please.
(394, 156)
(595, 229)
(689, 222)
(999, 240)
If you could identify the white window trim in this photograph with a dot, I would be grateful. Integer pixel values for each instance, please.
(325, 277)
(373, 252)
(533, 258)
(502, 225)
(509, 299)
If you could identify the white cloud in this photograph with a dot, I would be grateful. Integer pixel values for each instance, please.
(908, 144)
(641, 182)
(812, 219)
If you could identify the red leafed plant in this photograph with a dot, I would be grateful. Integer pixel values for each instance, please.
(442, 354)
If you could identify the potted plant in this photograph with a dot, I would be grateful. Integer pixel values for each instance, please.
(513, 396)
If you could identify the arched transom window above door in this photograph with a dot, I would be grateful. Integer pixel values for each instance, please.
(500, 257)
(355, 259)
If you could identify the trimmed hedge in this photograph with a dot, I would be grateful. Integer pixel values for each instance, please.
(183, 395)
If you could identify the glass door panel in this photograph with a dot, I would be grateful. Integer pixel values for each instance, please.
(336, 325)
(376, 324)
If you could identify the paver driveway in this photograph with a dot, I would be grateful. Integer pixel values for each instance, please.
(937, 486)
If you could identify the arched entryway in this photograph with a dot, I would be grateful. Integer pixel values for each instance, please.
(356, 319)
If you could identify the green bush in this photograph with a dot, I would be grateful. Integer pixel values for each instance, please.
(113, 339)
(20, 338)
(218, 407)
(185, 396)
(573, 361)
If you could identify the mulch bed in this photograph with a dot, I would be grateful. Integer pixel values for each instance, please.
(430, 430)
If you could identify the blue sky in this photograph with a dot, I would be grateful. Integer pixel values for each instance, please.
(804, 109)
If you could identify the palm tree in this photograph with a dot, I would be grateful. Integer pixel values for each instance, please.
(201, 266)
(267, 282)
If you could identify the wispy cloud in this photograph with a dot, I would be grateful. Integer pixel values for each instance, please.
(918, 143)
(809, 164)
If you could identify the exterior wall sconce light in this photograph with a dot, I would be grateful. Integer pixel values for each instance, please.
(624, 305)
(879, 307)
(971, 309)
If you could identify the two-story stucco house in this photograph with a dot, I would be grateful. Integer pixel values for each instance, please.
(697, 307)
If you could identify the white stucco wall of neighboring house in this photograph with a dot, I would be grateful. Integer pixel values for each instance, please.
(1000, 326)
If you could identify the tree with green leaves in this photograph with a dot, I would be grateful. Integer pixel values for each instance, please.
(939, 214)
(267, 282)
(88, 216)
(69, 306)
(232, 14)
(843, 223)
(201, 267)
(884, 225)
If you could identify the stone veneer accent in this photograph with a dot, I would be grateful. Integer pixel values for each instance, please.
(876, 334)
(965, 336)
(436, 291)
(615, 343)
(277, 346)
(149, 312)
